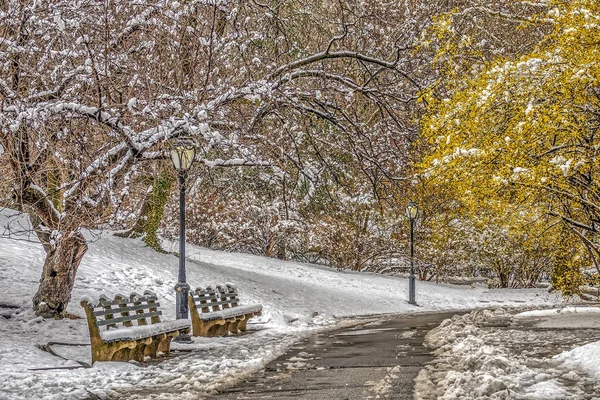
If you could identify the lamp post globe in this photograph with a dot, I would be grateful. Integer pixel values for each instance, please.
(412, 212)
(182, 156)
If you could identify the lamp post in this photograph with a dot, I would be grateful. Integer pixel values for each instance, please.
(182, 156)
(412, 211)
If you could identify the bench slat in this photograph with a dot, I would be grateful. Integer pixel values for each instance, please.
(216, 303)
(123, 309)
(198, 298)
(128, 318)
(127, 301)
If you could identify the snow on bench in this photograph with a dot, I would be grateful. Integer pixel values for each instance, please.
(126, 329)
(140, 332)
(216, 312)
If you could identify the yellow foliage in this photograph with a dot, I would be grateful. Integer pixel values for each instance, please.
(523, 123)
(522, 137)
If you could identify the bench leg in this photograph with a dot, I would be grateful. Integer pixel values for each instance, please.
(150, 349)
(164, 345)
(224, 331)
(115, 351)
(122, 354)
(233, 326)
(137, 353)
(212, 328)
(242, 325)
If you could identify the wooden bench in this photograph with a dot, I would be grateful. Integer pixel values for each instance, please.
(126, 329)
(216, 312)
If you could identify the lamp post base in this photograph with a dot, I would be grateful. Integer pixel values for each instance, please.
(182, 289)
(411, 289)
(183, 338)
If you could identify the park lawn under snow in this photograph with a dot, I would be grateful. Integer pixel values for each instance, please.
(297, 299)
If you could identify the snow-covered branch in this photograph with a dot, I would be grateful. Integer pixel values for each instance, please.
(239, 162)
(572, 222)
(486, 10)
(212, 163)
(93, 168)
(325, 55)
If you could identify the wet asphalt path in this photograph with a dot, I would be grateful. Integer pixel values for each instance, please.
(378, 359)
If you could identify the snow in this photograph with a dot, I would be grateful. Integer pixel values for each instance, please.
(143, 331)
(231, 312)
(298, 299)
(586, 357)
(549, 390)
(493, 354)
(566, 317)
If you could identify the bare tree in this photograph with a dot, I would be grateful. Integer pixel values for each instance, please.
(92, 90)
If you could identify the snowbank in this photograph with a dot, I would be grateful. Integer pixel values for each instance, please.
(493, 355)
(585, 357)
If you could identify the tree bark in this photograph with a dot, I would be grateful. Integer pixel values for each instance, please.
(58, 275)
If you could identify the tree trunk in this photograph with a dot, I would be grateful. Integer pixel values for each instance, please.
(58, 275)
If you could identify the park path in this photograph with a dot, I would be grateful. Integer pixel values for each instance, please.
(378, 359)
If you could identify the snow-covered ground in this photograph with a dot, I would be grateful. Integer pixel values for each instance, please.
(297, 299)
(539, 354)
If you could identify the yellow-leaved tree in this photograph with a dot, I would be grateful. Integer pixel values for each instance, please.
(521, 138)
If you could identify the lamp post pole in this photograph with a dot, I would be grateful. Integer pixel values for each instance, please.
(182, 288)
(182, 156)
(411, 278)
(412, 211)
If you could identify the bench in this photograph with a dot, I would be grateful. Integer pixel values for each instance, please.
(216, 312)
(130, 328)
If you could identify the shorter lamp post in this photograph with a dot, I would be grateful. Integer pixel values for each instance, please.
(182, 156)
(412, 211)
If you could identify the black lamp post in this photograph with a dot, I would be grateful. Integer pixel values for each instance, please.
(182, 156)
(412, 211)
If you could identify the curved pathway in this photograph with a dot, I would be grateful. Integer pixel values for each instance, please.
(373, 360)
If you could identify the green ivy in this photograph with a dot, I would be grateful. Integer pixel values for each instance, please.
(161, 188)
